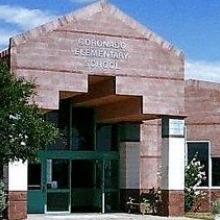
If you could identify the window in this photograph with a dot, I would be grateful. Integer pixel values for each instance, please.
(57, 173)
(202, 149)
(34, 176)
(106, 137)
(83, 129)
(216, 171)
(60, 119)
(130, 132)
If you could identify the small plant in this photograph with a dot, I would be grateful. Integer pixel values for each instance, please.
(194, 175)
(152, 199)
(216, 207)
(144, 206)
(2, 198)
(130, 200)
(130, 204)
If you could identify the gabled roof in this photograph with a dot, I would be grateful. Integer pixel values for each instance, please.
(89, 11)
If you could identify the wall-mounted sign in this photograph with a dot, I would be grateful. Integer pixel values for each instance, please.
(101, 54)
(172, 127)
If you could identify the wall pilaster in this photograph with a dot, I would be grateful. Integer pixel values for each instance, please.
(173, 145)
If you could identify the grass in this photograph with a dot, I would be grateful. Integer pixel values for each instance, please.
(200, 215)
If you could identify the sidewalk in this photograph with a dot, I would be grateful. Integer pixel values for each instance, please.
(92, 216)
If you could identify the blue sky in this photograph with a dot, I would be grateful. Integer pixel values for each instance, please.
(191, 25)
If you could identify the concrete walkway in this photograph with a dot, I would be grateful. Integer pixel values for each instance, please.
(114, 216)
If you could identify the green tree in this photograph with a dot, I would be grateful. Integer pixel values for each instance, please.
(23, 130)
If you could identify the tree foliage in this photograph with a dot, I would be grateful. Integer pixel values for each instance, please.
(23, 131)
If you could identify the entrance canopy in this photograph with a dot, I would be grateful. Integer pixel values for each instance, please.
(110, 107)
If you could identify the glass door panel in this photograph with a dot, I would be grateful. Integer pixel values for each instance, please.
(111, 174)
(111, 185)
(86, 186)
(57, 185)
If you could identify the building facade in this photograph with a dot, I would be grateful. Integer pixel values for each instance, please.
(116, 90)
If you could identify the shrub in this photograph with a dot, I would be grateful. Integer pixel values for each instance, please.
(216, 207)
(194, 175)
(2, 198)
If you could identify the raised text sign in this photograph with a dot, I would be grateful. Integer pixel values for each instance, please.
(101, 54)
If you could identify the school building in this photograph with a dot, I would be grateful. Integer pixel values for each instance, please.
(129, 120)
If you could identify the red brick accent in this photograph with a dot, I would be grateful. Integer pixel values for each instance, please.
(172, 203)
(17, 205)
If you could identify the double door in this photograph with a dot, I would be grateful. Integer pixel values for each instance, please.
(80, 185)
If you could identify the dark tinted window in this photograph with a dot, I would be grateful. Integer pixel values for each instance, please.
(202, 149)
(130, 132)
(215, 171)
(83, 129)
(34, 176)
(107, 137)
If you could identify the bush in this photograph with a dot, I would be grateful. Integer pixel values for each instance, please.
(2, 198)
(216, 207)
(194, 175)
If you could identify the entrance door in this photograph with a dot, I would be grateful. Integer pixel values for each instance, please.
(78, 182)
(57, 179)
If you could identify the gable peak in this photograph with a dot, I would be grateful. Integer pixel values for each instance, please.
(88, 11)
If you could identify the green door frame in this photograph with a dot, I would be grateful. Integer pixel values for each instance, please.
(78, 155)
(75, 155)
